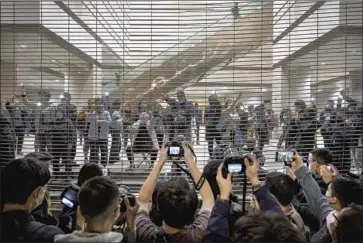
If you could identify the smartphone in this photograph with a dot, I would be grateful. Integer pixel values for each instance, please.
(69, 198)
(104, 171)
(174, 151)
(235, 168)
(284, 156)
(67, 202)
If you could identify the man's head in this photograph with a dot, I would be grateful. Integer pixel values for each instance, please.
(181, 95)
(300, 106)
(320, 156)
(43, 157)
(213, 99)
(341, 114)
(90, 102)
(116, 104)
(99, 200)
(210, 173)
(177, 202)
(142, 106)
(330, 104)
(44, 95)
(23, 183)
(267, 227)
(251, 144)
(349, 225)
(343, 191)
(154, 213)
(87, 172)
(144, 117)
(281, 186)
(67, 97)
(99, 104)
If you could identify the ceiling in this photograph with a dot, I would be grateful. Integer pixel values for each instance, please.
(336, 58)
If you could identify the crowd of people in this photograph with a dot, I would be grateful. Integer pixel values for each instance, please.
(308, 203)
(145, 128)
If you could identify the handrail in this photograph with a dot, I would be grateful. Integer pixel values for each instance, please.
(175, 45)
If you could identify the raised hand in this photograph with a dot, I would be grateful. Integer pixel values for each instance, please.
(225, 184)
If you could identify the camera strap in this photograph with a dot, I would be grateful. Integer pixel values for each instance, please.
(200, 182)
(244, 192)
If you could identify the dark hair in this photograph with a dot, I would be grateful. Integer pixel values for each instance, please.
(97, 195)
(154, 212)
(347, 190)
(350, 225)
(300, 103)
(281, 186)
(322, 155)
(98, 101)
(210, 173)
(116, 104)
(267, 227)
(20, 178)
(87, 172)
(177, 202)
(41, 156)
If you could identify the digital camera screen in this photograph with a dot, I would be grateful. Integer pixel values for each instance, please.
(235, 168)
(67, 202)
(174, 150)
(285, 157)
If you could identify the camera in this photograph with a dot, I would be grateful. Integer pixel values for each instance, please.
(233, 161)
(284, 156)
(126, 193)
(70, 195)
(175, 149)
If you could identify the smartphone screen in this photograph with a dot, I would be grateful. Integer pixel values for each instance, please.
(235, 168)
(285, 157)
(104, 171)
(69, 198)
(67, 202)
(174, 150)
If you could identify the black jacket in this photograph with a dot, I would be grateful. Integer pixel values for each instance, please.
(20, 226)
(218, 226)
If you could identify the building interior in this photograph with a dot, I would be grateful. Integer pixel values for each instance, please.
(270, 52)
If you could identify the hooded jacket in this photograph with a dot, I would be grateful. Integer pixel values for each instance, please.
(78, 236)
